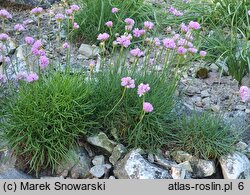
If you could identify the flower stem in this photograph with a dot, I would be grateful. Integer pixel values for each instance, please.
(123, 94)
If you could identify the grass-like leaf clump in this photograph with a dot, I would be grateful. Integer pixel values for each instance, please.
(44, 119)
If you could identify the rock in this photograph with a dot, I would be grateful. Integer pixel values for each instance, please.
(245, 81)
(247, 111)
(235, 166)
(205, 94)
(34, 3)
(98, 160)
(187, 166)
(215, 108)
(88, 51)
(191, 91)
(237, 120)
(112, 177)
(102, 141)
(202, 168)
(181, 156)
(206, 102)
(118, 153)
(77, 166)
(214, 67)
(151, 158)
(134, 166)
(99, 170)
(241, 146)
(178, 172)
(52, 177)
(162, 161)
(240, 107)
(12, 173)
(81, 169)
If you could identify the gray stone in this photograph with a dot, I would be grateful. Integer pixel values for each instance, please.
(151, 158)
(162, 161)
(214, 67)
(190, 90)
(205, 94)
(112, 177)
(245, 81)
(134, 166)
(99, 170)
(118, 153)
(235, 166)
(178, 172)
(52, 178)
(240, 107)
(202, 168)
(81, 169)
(34, 3)
(181, 156)
(241, 146)
(88, 51)
(77, 165)
(12, 173)
(98, 160)
(187, 166)
(102, 141)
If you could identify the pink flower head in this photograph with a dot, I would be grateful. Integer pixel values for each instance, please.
(31, 77)
(138, 32)
(203, 53)
(103, 37)
(124, 40)
(92, 64)
(142, 89)
(248, 12)
(21, 76)
(37, 11)
(136, 52)
(184, 28)
(4, 59)
(41, 52)
(192, 50)
(128, 82)
(44, 62)
(75, 26)
(36, 47)
(2, 47)
(181, 50)
(109, 24)
(189, 44)
(2, 78)
(4, 37)
(147, 107)
(128, 27)
(68, 12)
(244, 93)
(114, 10)
(175, 12)
(169, 43)
(19, 27)
(148, 25)
(129, 22)
(74, 8)
(182, 42)
(51, 12)
(59, 17)
(65, 46)
(194, 25)
(5, 14)
(176, 37)
(157, 42)
(29, 40)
